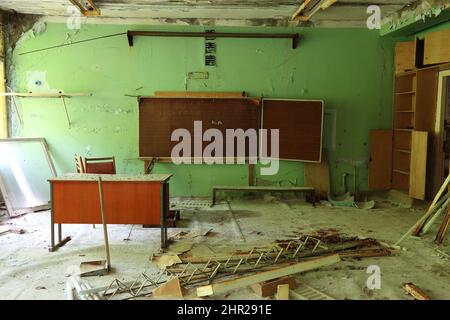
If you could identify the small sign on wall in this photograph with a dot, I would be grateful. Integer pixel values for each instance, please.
(210, 50)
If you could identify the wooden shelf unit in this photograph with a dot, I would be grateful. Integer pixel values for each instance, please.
(408, 142)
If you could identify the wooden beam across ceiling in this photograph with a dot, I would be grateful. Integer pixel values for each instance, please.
(309, 7)
(86, 7)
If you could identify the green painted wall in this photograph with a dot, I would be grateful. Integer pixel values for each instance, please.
(350, 69)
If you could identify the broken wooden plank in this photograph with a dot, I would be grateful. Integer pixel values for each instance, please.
(420, 229)
(169, 290)
(5, 230)
(443, 229)
(366, 253)
(415, 291)
(283, 292)
(429, 212)
(269, 288)
(223, 287)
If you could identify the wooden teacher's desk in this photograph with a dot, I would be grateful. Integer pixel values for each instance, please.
(128, 199)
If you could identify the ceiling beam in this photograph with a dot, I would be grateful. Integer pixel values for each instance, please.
(309, 7)
(86, 7)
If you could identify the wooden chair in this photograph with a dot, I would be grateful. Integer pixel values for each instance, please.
(105, 165)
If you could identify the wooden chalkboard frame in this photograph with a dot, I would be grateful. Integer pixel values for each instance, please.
(289, 115)
(259, 125)
(251, 119)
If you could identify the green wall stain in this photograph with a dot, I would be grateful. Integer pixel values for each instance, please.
(350, 69)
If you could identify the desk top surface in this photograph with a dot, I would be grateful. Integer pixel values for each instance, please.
(112, 177)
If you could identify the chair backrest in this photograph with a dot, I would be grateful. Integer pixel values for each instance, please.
(100, 165)
(79, 164)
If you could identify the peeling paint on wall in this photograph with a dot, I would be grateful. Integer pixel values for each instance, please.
(421, 10)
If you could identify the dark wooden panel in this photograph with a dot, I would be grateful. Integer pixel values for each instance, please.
(159, 117)
(380, 165)
(300, 124)
(126, 202)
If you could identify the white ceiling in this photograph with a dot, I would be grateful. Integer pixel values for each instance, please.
(224, 12)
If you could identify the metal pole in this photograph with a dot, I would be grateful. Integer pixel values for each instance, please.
(52, 229)
(65, 108)
(105, 228)
(16, 109)
(162, 216)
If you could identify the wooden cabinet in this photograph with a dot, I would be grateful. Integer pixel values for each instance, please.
(436, 47)
(414, 117)
(405, 56)
(398, 160)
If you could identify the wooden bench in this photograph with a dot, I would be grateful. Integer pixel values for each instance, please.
(308, 190)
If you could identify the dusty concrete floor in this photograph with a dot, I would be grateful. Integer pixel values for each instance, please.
(29, 271)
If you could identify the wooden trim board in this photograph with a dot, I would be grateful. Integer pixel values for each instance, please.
(225, 286)
(190, 94)
(418, 171)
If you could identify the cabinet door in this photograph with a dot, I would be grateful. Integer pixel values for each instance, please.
(405, 56)
(380, 164)
(418, 171)
(436, 49)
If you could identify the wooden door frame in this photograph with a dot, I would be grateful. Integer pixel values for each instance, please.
(443, 77)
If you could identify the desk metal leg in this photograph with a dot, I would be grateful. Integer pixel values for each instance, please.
(213, 197)
(164, 214)
(61, 241)
(52, 232)
(59, 232)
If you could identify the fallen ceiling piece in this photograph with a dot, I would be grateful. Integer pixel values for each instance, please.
(166, 261)
(93, 268)
(305, 292)
(86, 7)
(190, 234)
(169, 290)
(415, 291)
(223, 287)
(309, 8)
